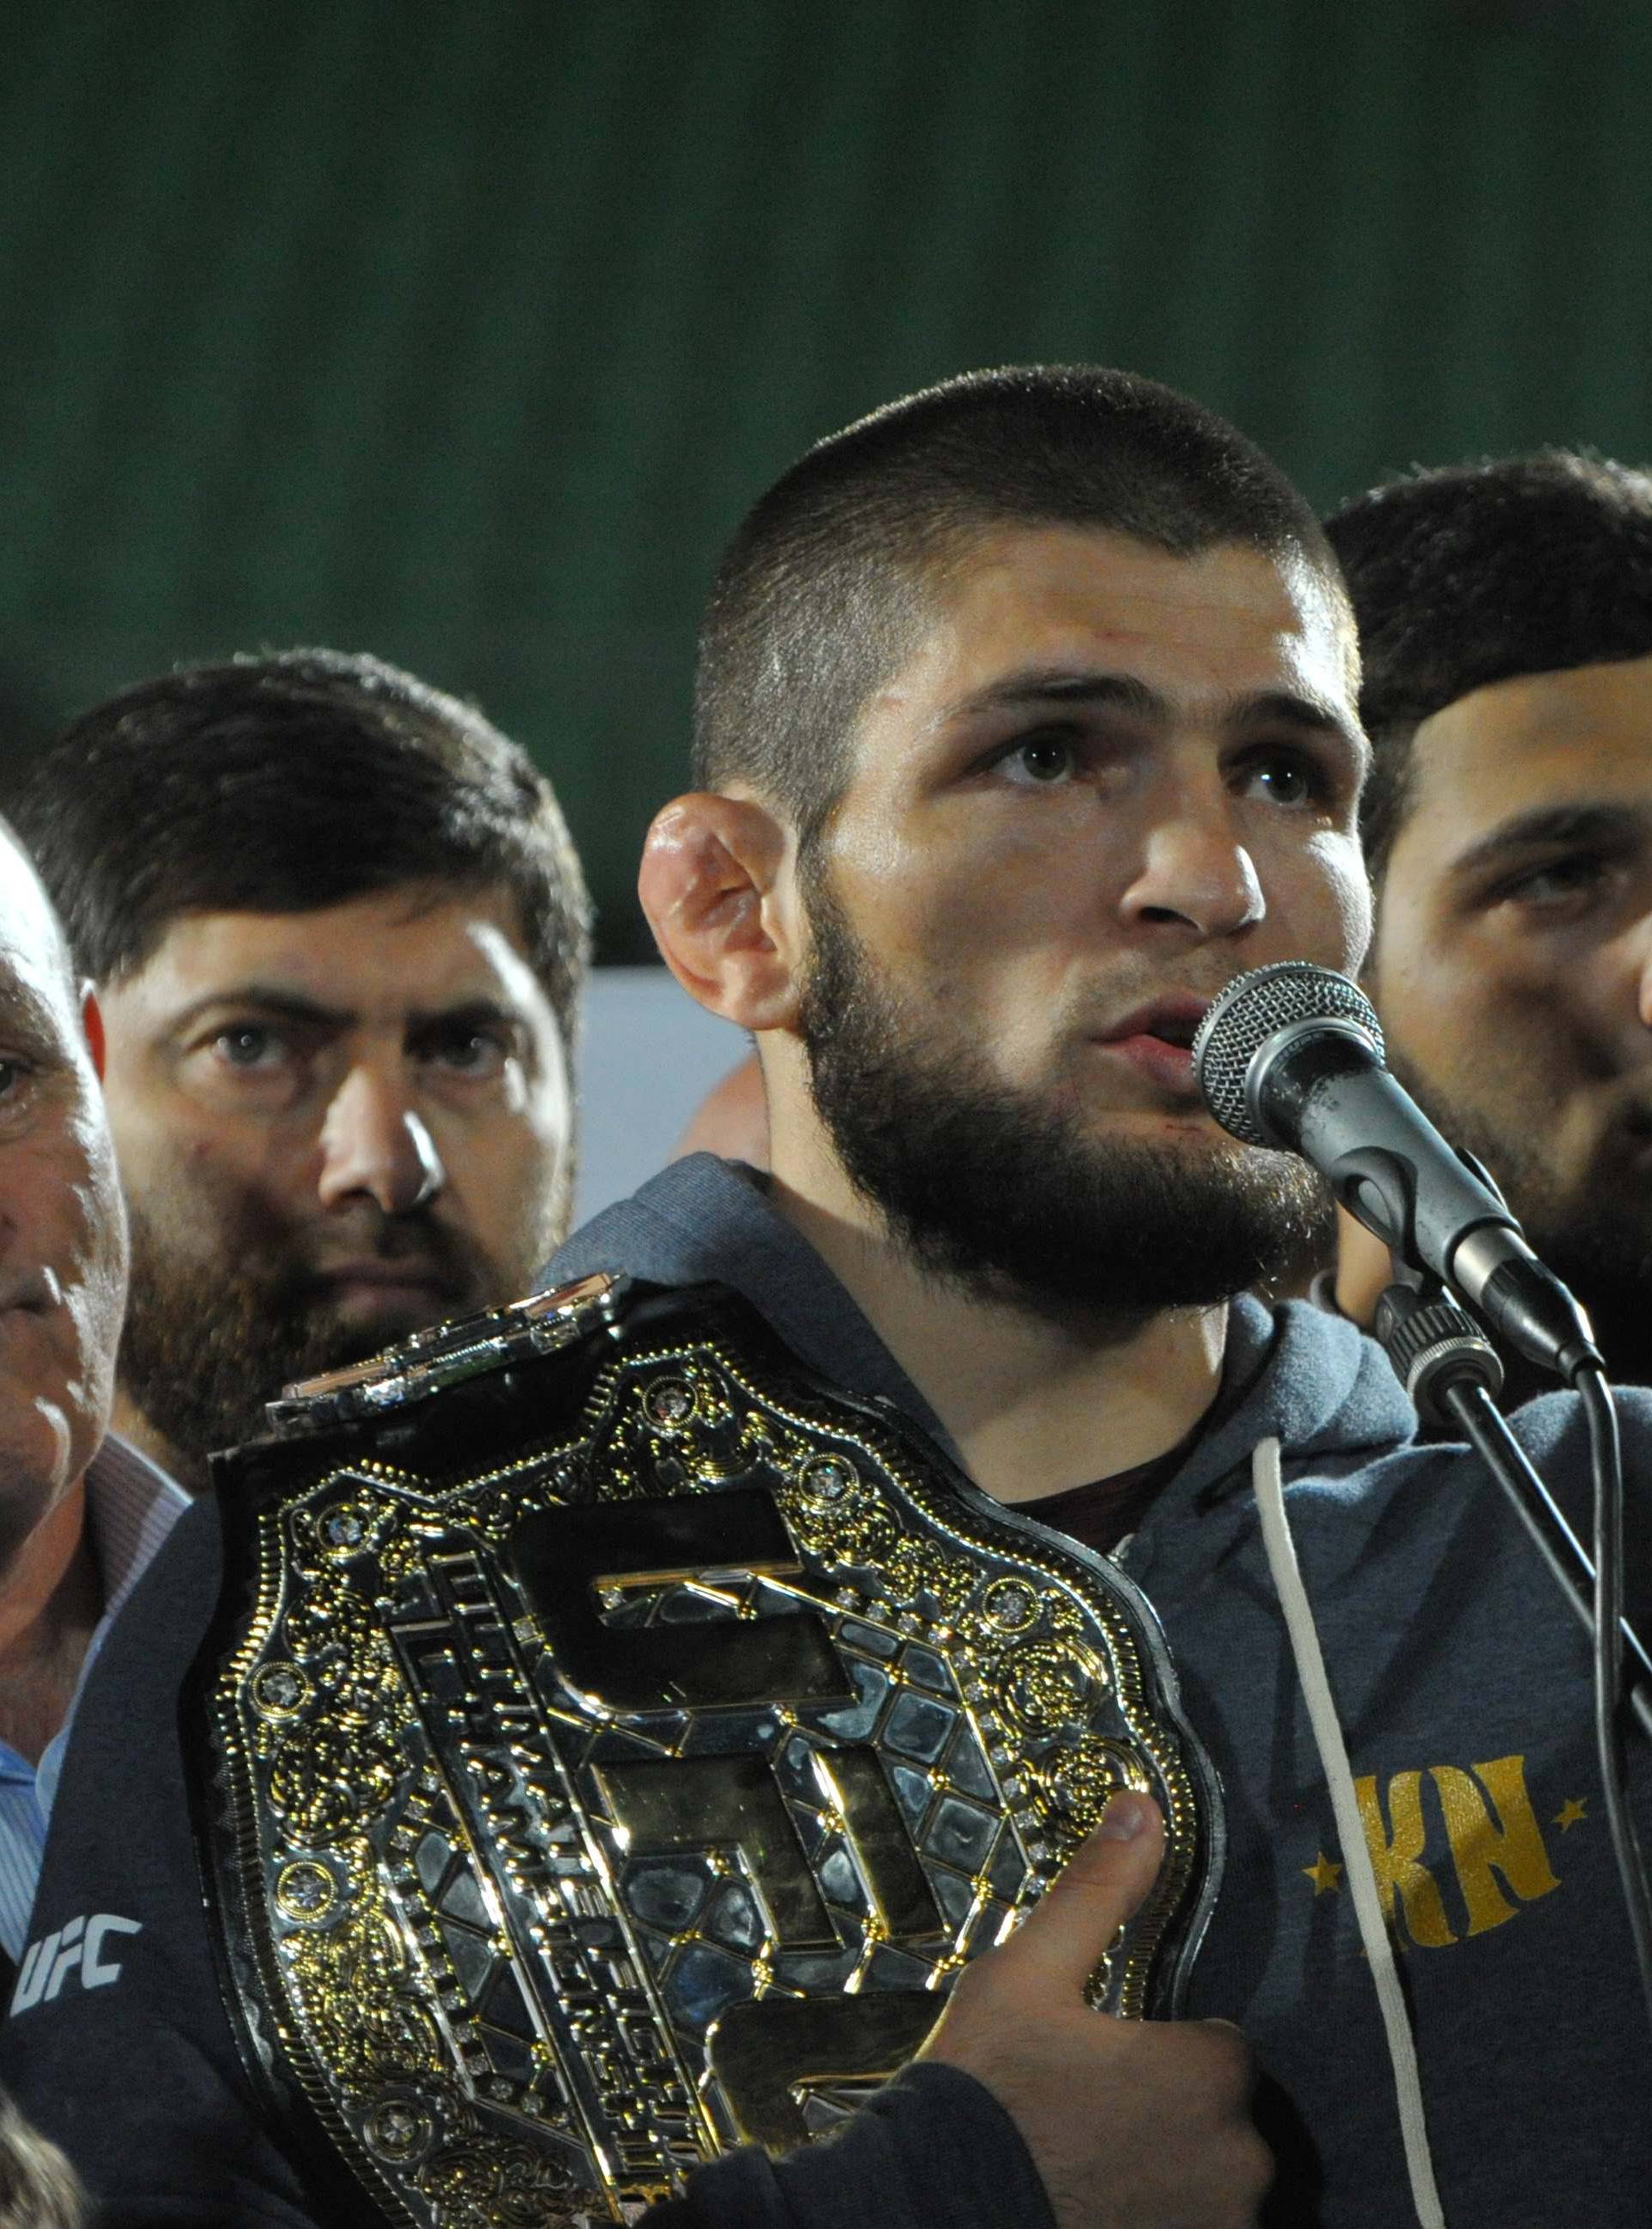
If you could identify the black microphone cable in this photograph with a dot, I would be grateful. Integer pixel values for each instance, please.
(1470, 1407)
(1606, 1461)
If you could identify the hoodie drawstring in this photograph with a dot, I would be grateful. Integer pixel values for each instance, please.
(1356, 1855)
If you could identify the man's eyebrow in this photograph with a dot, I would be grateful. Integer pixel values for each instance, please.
(465, 1012)
(277, 999)
(1061, 684)
(1291, 708)
(1040, 686)
(1616, 827)
(289, 1006)
(24, 1012)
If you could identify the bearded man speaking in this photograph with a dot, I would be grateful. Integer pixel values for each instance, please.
(336, 929)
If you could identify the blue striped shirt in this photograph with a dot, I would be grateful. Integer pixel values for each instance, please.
(130, 1509)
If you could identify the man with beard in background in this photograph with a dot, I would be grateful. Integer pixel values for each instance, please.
(1505, 615)
(337, 931)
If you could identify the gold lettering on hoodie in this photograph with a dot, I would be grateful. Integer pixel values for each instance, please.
(1493, 1834)
(1398, 1857)
(1510, 1844)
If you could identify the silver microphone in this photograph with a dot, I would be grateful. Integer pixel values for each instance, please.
(1292, 1056)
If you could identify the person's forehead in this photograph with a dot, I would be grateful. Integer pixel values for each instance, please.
(34, 961)
(412, 948)
(1226, 619)
(1516, 747)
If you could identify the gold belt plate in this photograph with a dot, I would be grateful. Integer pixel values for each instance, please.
(640, 1795)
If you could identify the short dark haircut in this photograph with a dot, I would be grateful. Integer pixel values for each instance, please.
(287, 783)
(1478, 574)
(820, 595)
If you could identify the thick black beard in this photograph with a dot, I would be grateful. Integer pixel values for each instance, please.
(203, 1349)
(986, 1187)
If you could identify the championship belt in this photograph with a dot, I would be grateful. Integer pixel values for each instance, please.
(613, 1740)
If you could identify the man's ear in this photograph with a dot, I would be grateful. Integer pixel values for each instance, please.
(92, 1023)
(717, 885)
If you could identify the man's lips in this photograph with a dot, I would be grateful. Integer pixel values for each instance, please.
(1156, 1039)
(1171, 1066)
(383, 1282)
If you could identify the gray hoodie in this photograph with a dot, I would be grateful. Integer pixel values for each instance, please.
(1462, 1686)
(1462, 1683)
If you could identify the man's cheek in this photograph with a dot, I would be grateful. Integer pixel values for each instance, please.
(1339, 892)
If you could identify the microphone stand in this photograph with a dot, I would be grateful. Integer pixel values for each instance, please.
(1453, 1372)
(1291, 1057)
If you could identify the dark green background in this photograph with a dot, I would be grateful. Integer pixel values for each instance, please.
(463, 330)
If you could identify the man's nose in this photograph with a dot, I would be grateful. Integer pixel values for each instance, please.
(372, 1142)
(1195, 872)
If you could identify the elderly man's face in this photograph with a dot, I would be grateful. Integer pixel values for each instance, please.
(1513, 957)
(335, 1128)
(62, 1229)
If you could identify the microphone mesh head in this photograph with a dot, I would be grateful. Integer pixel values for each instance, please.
(1255, 1007)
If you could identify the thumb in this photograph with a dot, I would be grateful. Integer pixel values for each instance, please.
(1059, 1945)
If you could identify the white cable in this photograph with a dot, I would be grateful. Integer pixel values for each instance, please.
(1356, 1855)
